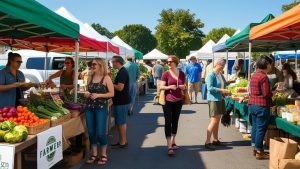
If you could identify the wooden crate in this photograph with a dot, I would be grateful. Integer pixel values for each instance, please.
(33, 130)
(60, 120)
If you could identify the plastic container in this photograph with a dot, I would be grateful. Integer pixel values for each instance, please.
(237, 123)
(243, 126)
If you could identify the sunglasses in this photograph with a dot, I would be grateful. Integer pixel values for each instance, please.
(67, 63)
(19, 62)
(169, 62)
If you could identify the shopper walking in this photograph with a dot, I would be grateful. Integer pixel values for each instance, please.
(134, 73)
(216, 90)
(100, 88)
(157, 72)
(121, 100)
(193, 72)
(259, 104)
(173, 82)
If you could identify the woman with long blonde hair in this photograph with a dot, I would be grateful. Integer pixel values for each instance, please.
(100, 88)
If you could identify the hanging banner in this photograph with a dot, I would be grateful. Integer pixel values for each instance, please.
(49, 150)
(7, 157)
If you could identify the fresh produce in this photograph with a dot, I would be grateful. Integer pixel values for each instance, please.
(13, 133)
(27, 118)
(7, 125)
(7, 112)
(280, 98)
(46, 108)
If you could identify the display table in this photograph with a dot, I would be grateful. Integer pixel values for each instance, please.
(19, 147)
(239, 109)
(286, 126)
(71, 128)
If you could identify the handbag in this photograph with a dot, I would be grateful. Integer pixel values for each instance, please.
(185, 97)
(162, 97)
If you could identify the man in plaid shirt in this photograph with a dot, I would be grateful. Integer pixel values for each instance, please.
(259, 105)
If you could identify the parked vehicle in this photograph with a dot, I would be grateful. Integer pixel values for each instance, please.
(33, 65)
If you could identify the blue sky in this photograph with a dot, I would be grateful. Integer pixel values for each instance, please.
(114, 14)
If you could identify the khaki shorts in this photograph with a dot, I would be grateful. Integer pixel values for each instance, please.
(216, 108)
(194, 87)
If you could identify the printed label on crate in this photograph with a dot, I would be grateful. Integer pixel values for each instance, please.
(49, 150)
(7, 157)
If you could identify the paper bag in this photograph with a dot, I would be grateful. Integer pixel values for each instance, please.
(162, 97)
(281, 148)
(289, 164)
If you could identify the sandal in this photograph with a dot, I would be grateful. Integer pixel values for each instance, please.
(103, 160)
(91, 160)
(171, 152)
(175, 147)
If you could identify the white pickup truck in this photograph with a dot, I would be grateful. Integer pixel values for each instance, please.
(34, 63)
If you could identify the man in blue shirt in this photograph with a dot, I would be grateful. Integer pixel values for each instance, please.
(10, 78)
(193, 71)
(134, 73)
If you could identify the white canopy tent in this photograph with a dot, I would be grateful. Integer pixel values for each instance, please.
(84, 30)
(129, 50)
(155, 55)
(205, 52)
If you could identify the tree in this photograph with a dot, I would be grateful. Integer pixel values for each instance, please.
(286, 7)
(102, 30)
(138, 36)
(217, 33)
(178, 32)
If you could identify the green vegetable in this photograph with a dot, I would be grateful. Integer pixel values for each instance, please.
(2, 134)
(43, 110)
(7, 126)
(242, 83)
(22, 130)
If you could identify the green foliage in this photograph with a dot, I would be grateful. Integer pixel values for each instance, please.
(286, 7)
(102, 30)
(178, 32)
(138, 36)
(217, 33)
(256, 55)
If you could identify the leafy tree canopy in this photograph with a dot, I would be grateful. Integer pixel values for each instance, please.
(178, 32)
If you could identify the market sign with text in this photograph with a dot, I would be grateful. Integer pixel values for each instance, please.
(49, 150)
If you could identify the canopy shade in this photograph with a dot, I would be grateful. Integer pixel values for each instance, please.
(111, 46)
(128, 49)
(240, 41)
(155, 54)
(284, 27)
(137, 54)
(283, 31)
(22, 19)
(205, 51)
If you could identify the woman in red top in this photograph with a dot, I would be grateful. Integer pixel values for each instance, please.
(173, 82)
(259, 105)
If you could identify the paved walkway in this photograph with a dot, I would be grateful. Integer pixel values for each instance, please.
(147, 148)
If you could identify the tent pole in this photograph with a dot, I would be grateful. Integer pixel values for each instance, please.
(213, 59)
(249, 65)
(45, 63)
(76, 70)
(227, 64)
(106, 59)
(296, 61)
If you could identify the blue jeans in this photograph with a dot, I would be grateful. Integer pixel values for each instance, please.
(96, 120)
(132, 92)
(260, 121)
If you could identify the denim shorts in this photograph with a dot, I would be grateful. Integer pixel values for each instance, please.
(120, 113)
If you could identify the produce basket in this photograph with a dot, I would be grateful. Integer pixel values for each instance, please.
(61, 120)
(33, 130)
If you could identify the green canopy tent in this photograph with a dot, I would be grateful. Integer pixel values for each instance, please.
(240, 42)
(137, 54)
(22, 20)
